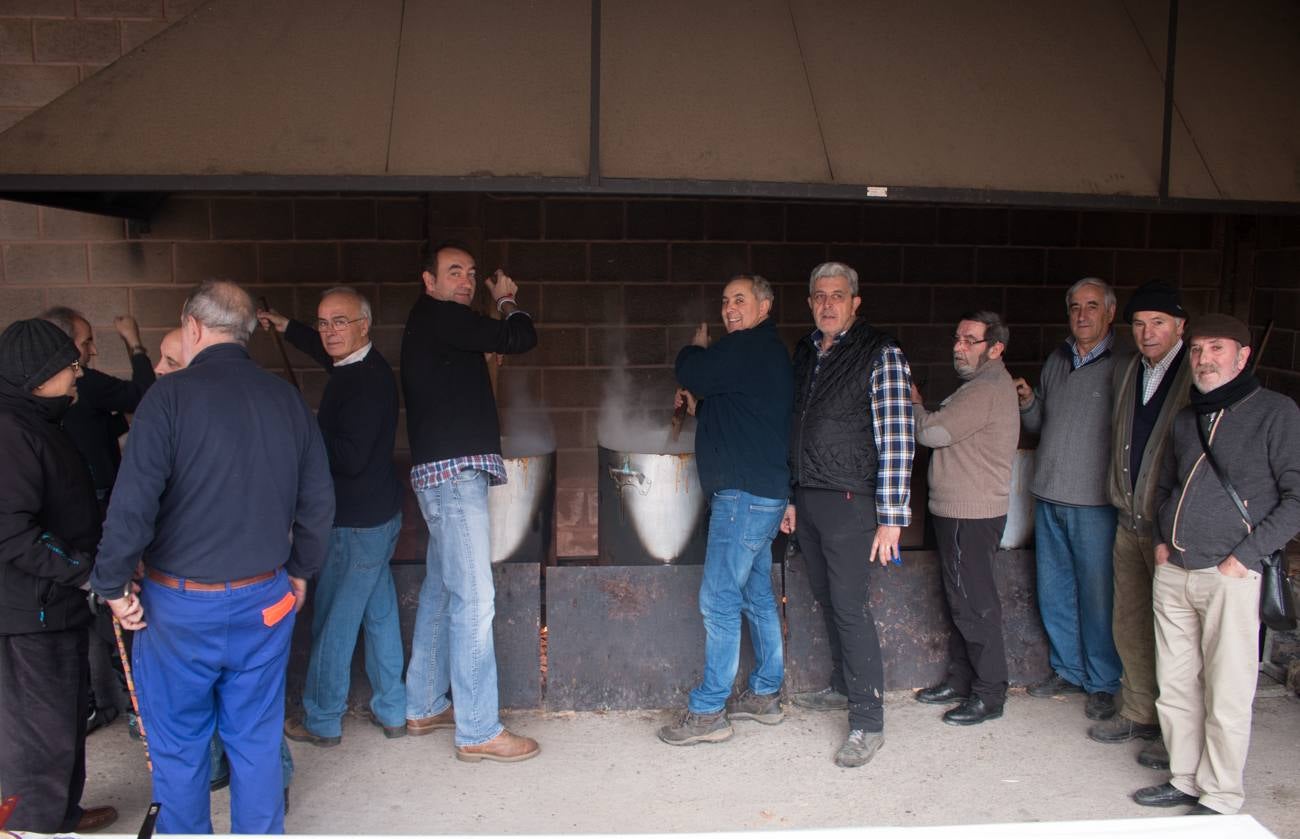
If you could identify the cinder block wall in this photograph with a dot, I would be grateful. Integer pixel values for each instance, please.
(1276, 298)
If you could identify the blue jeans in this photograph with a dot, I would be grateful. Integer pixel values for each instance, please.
(208, 661)
(738, 579)
(1076, 592)
(355, 589)
(452, 648)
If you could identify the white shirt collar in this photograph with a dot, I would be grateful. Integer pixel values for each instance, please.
(356, 356)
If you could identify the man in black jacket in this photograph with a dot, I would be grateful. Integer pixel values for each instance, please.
(451, 420)
(851, 452)
(358, 420)
(745, 388)
(49, 524)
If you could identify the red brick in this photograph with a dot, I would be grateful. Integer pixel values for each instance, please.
(15, 41)
(381, 262)
(823, 222)
(708, 263)
(45, 264)
(395, 302)
(402, 219)
(18, 221)
(120, 8)
(81, 41)
(559, 347)
(66, 224)
(20, 303)
(196, 263)
(252, 218)
(158, 306)
(744, 221)
(136, 32)
(298, 263)
(334, 218)
(33, 86)
(610, 346)
(665, 220)
(568, 218)
(181, 219)
(584, 303)
(131, 263)
(100, 305)
(37, 8)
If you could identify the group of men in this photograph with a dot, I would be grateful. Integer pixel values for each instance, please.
(1148, 577)
(231, 495)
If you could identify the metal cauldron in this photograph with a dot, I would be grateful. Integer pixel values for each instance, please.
(1019, 532)
(652, 509)
(522, 512)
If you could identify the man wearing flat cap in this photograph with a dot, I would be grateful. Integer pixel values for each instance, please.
(1147, 392)
(1208, 557)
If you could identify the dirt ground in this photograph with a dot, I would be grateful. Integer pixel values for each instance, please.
(607, 773)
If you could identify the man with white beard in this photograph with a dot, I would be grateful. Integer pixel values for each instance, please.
(1208, 560)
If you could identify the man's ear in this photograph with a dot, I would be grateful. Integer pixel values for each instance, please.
(427, 279)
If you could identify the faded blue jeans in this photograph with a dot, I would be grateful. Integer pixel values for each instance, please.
(1076, 592)
(355, 590)
(452, 648)
(738, 580)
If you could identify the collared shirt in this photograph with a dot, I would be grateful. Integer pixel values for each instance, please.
(1102, 346)
(1154, 374)
(430, 475)
(359, 355)
(891, 419)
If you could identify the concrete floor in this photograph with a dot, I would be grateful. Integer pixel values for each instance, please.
(607, 773)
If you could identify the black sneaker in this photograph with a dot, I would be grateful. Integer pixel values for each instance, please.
(765, 708)
(1101, 705)
(697, 728)
(859, 748)
(1053, 685)
(826, 699)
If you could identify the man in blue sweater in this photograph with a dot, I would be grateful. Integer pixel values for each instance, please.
(745, 391)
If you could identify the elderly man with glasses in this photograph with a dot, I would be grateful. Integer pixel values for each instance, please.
(358, 420)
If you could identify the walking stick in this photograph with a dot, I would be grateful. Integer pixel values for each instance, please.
(130, 689)
(279, 343)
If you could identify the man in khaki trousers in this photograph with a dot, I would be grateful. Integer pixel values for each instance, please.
(1207, 577)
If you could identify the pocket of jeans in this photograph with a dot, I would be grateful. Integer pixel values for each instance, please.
(762, 524)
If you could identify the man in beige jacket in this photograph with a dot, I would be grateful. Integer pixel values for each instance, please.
(974, 434)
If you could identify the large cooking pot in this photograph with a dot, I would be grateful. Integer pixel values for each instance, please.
(1019, 532)
(521, 513)
(651, 509)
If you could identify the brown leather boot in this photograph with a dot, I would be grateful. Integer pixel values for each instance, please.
(505, 747)
(95, 818)
(428, 725)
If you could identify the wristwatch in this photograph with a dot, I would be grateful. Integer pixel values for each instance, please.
(139, 349)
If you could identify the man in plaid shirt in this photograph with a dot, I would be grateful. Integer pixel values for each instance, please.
(851, 451)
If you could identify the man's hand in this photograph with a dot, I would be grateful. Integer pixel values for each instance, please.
(1162, 553)
(271, 319)
(701, 337)
(129, 330)
(885, 546)
(500, 285)
(1024, 393)
(128, 609)
(916, 396)
(788, 520)
(684, 396)
(1232, 567)
(299, 586)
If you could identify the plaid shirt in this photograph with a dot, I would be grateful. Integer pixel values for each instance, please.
(891, 418)
(1154, 374)
(429, 475)
(1102, 346)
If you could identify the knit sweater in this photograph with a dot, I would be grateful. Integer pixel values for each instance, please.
(1135, 498)
(974, 435)
(1071, 413)
(1254, 442)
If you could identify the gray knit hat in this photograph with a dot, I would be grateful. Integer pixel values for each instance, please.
(33, 351)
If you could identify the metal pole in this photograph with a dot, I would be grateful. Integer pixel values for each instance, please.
(1171, 46)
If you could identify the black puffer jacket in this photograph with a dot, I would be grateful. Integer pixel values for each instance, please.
(49, 519)
(831, 441)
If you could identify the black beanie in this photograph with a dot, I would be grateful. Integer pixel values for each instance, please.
(33, 351)
(1155, 296)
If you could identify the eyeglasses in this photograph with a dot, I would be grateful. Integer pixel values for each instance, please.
(336, 324)
(76, 367)
(967, 341)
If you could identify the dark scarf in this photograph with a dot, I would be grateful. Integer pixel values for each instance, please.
(1225, 394)
(50, 408)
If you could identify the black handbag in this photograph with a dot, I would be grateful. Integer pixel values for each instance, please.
(1276, 600)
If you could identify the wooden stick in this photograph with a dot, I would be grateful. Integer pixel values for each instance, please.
(1263, 342)
(130, 689)
(284, 354)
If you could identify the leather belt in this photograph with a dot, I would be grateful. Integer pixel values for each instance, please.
(164, 579)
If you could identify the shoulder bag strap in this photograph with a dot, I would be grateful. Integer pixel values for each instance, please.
(1218, 473)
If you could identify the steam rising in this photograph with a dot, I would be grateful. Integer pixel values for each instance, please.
(638, 422)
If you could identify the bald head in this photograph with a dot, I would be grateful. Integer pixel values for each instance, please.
(169, 352)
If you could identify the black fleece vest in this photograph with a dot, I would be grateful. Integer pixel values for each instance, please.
(831, 441)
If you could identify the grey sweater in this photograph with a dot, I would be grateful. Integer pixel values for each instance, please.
(1071, 413)
(1255, 442)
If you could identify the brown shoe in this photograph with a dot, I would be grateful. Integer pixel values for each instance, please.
(505, 748)
(298, 732)
(428, 725)
(95, 818)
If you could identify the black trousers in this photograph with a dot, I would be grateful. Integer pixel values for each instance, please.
(44, 679)
(977, 654)
(835, 532)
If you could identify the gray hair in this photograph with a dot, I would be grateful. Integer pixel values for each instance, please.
(351, 292)
(995, 331)
(1106, 290)
(833, 269)
(222, 306)
(64, 318)
(762, 288)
